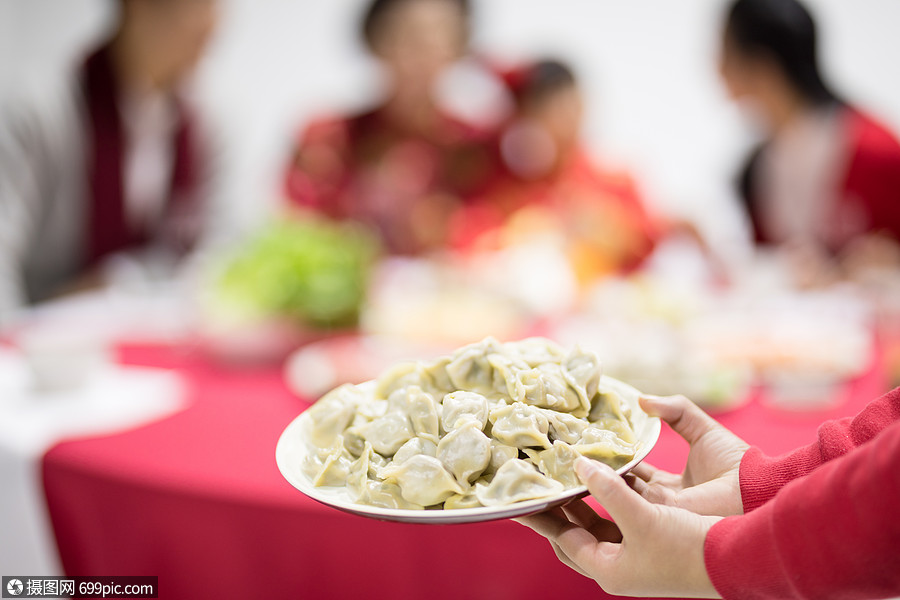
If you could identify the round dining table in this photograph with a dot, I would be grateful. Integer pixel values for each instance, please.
(195, 498)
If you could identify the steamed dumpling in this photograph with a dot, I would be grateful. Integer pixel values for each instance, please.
(505, 369)
(465, 452)
(605, 446)
(557, 463)
(332, 414)
(435, 378)
(423, 480)
(388, 433)
(423, 414)
(329, 466)
(516, 481)
(396, 378)
(386, 495)
(500, 453)
(546, 386)
(469, 368)
(416, 445)
(606, 403)
(466, 500)
(564, 426)
(520, 425)
(534, 351)
(582, 372)
(463, 405)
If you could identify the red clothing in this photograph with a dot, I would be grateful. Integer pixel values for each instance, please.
(403, 183)
(600, 212)
(108, 229)
(821, 521)
(868, 193)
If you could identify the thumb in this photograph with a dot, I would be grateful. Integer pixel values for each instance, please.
(686, 418)
(623, 504)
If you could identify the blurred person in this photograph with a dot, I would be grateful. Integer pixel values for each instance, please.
(111, 161)
(824, 185)
(404, 166)
(548, 179)
(817, 522)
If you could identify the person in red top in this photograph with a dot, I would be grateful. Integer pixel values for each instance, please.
(818, 522)
(404, 166)
(824, 185)
(546, 176)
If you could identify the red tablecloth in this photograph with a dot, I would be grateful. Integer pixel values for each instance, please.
(197, 500)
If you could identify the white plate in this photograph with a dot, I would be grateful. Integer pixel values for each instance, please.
(291, 450)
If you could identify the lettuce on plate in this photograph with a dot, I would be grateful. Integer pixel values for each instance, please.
(309, 270)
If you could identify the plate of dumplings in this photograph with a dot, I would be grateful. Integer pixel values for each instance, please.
(491, 431)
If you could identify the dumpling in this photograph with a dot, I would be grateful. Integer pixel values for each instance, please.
(465, 452)
(388, 433)
(354, 441)
(358, 473)
(582, 372)
(620, 428)
(505, 369)
(534, 351)
(435, 378)
(500, 453)
(564, 426)
(516, 481)
(386, 495)
(546, 386)
(423, 415)
(457, 405)
(423, 480)
(332, 414)
(396, 378)
(607, 404)
(413, 447)
(469, 368)
(520, 425)
(466, 500)
(557, 463)
(330, 466)
(605, 446)
(369, 410)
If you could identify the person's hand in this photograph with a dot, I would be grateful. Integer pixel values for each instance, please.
(710, 483)
(650, 550)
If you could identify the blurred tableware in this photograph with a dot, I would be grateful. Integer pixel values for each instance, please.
(431, 302)
(63, 355)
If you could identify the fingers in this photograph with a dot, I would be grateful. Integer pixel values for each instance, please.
(550, 524)
(623, 504)
(644, 471)
(685, 417)
(564, 559)
(584, 516)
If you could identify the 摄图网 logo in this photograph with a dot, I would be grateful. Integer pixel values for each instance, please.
(14, 587)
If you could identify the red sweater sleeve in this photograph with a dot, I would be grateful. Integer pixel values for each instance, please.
(761, 476)
(831, 534)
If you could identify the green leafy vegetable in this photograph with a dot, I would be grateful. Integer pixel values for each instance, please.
(311, 270)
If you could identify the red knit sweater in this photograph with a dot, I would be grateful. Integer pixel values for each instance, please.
(822, 521)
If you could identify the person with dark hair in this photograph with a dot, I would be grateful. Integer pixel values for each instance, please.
(546, 173)
(404, 166)
(112, 162)
(825, 182)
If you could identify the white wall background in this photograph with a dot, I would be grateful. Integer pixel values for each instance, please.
(648, 66)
